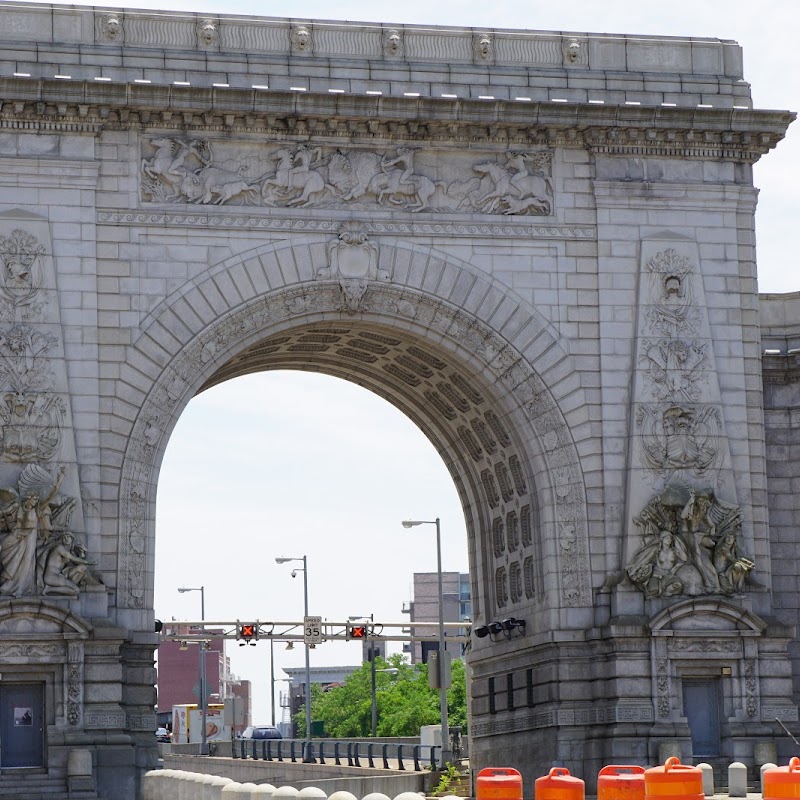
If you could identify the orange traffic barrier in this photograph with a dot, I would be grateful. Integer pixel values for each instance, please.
(620, 782)
(498, 783)
(673, 781)
(558, 784)
(780, 782)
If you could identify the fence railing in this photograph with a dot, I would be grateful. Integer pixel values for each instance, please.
(416, 757)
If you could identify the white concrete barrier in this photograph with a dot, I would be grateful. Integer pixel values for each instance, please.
(263, 791)
(412, 796)
(311, 793)
(149, 780)
(285, 793)
(342, 796)
(737, 780)
(376, 796)
(214, 787)
(235, 791)
(708, 779)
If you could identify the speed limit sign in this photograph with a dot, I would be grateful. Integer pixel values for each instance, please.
(312, 630)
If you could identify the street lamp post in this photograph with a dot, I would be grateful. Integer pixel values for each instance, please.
(371, 654)
(308, 661)
(202, 650)
(411, 523)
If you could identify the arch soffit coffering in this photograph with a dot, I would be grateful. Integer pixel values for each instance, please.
(439, 298)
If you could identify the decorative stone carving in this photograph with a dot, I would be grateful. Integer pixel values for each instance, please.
(38, 554)
(512, 373)
(671, 310)
(301, 39)
(675, 368)
(572, 51)
(111, 28)
(20, 254)
(24, 362)
(679, 437)
(392, 43)
(483, 47)
(31, 426)
(207, 33)
(690, 546)
(187, 171)
(354, 262)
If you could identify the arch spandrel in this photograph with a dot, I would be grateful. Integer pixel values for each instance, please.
(457, 341)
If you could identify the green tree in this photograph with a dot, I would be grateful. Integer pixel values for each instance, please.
(404, 701)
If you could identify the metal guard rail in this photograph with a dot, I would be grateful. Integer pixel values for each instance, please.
(339, 752)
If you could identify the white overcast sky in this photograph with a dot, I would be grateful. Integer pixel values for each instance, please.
(297, 463)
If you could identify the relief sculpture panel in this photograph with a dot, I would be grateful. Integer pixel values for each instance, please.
(202, 172)
(687, 540)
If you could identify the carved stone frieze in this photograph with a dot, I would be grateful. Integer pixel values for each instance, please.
(671, 310)
(29, 651)
(242, 221)
(680, 438)
(21, 277)
(690, 546)
(39, 555)
(31, 426)
(178, 170)
(25, 359)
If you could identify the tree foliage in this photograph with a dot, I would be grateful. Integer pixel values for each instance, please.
(404, 701)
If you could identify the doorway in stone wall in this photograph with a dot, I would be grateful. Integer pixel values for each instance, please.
(21, 725)
(701, 706)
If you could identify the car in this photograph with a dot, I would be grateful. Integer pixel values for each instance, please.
(261, 732)
(163, 735)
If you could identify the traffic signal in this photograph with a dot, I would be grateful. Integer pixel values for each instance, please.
(357, 630)
(247, 632)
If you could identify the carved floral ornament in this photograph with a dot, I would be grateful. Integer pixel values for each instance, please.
(195, 171)
(384, 299)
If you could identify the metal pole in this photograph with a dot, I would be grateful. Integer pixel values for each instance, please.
(308, 662)
(202, 648)
(374, 694)
(446, 754)
(272, 677)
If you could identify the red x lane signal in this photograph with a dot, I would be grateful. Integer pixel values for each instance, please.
(357, 631)
(247, 631)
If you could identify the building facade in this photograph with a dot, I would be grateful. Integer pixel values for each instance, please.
(424, 607)
(538, 245)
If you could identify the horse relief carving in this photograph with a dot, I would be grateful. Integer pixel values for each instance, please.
(176, 170)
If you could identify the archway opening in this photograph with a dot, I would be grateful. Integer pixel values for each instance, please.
(298, 463)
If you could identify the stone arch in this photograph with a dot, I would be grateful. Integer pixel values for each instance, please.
(25, 617)
(255, 302)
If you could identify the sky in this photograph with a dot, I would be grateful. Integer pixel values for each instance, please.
(293, 464)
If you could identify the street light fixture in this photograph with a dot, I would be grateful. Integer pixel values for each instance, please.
(412, 523)
(304, 569)
(202, 651)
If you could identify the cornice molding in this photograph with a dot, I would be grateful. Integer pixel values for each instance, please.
(86, 107)
(329, 223)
